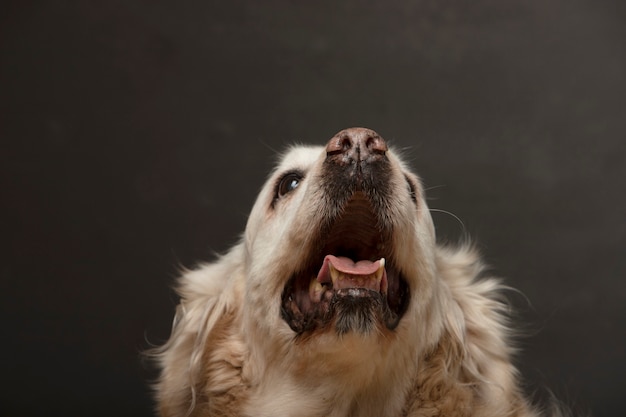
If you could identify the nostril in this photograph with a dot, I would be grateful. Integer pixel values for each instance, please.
(346, 143)
(376, 144)
(340, 144)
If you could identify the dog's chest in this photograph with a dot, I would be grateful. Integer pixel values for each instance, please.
(284, 399)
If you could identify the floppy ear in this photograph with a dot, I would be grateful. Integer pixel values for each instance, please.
(194, 357)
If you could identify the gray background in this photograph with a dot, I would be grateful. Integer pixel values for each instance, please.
(135, 135)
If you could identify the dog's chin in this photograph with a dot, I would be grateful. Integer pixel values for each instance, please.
(359, 310)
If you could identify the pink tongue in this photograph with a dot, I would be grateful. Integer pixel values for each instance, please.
(356, 275)
(347, 266)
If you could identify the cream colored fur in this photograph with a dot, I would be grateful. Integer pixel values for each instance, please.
(231, 353)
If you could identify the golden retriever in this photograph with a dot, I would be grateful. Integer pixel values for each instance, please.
(338, 302)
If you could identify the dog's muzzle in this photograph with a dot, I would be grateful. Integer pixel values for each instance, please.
(350, 280)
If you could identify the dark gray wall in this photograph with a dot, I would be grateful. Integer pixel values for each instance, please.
(135, 135)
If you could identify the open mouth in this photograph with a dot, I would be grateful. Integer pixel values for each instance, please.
(350, 280)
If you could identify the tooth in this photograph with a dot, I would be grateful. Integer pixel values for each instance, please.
(315, 290)
(334, 274)
(379, 272)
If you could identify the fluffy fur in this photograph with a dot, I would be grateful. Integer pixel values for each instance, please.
(232, 352)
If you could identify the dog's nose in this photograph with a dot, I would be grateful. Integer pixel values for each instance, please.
(357, 144)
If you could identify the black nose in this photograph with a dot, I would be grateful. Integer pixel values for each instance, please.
(356, 144)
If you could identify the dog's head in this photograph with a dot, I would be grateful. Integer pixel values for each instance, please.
(340, 242)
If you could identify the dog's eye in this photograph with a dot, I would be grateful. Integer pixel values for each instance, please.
(288, 183)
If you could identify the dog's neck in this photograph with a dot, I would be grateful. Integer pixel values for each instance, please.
(351, 375)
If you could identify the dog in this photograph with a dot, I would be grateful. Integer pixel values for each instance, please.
(338, 301)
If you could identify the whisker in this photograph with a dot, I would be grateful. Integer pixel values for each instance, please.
(268, 146)
(450, 214)
(434, 187)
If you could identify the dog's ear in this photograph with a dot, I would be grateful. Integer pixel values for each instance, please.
(210, 303)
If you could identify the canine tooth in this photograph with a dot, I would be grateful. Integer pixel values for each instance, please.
(315, 290)
(381, 268)
(334, 274)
